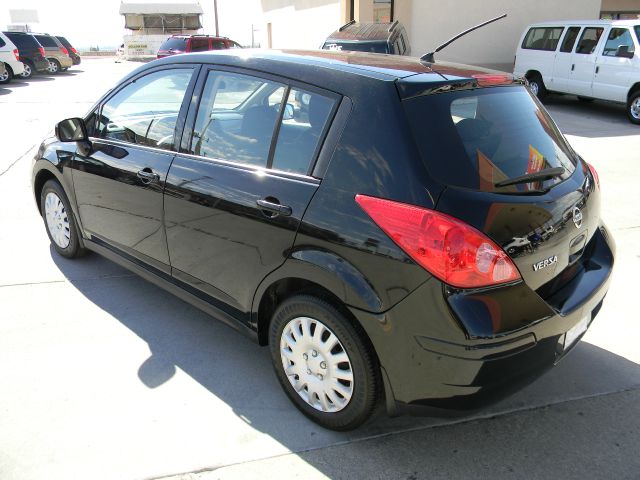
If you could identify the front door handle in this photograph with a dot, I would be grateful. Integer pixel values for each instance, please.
(147, 176)
(573, 66)
(271, 205)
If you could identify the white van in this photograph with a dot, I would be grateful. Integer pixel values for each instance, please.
(9, 57)
(588, 58)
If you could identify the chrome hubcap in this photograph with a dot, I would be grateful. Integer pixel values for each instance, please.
(534, 88)
(635, 108)
(27, 71)
(53, 68)
(316, 364)
(4, 76)
(57, 220)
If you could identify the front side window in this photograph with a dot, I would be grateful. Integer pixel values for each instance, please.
(145, 112)
(199, 44)
(236, 120)
(589, 40)
(570, 39)
(218, 45)
(618, 37)
(542, 38)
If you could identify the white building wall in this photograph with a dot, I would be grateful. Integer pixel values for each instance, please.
(430, 23)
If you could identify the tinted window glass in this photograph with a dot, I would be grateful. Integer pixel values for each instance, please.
(570, 39)
(145, 112)
(218, 45)
(235, 121)
(175, 44)
(235, 45)
(64, 42)
(199, 44)
(589, 40)
(637, 29)
(46, 41)
(301, 131)
(2, 42)
(22, 41)
(492, 134)
(372, 47)
(542, 38)
(618, 37)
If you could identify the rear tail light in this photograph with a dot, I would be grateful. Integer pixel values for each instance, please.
(595, 174)
(64, 50)
(448, 248)
(41, 49)
(74, 50)
(16, 53)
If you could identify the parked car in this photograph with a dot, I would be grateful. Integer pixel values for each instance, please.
(363, 242)
(56, 53)
(31, 53)
(593, 59)
(374, 37)
(194, 43)
(10, 64)
(71, 51)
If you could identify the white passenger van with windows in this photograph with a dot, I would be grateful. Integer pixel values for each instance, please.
(593, 59)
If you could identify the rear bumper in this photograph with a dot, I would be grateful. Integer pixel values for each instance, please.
(432, 365)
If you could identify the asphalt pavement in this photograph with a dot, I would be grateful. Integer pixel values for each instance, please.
(105, 376)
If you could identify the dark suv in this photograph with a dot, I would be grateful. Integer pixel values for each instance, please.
(71, 51)
(417, 231)
(372, 37)
(32, 54)
(194, 43)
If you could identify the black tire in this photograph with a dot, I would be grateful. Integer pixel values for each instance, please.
(29, 70)
(586, 99)
(56, 66)
(536, 85)
(361, 361)
(633, 107)
(74, 248)
(7, 77)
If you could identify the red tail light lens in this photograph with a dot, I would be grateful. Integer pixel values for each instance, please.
(448, 248)
(595, 174)
(64, 50)
(41, 49)
(74, 50)
(16, 53)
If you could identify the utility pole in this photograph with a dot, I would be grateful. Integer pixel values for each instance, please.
(215, 11)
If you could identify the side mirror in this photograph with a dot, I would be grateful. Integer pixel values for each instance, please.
(71, 130)
(623, 51)
(288, 112)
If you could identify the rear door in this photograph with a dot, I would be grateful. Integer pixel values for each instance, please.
(583, 62)
(119, 182)
(614, 72)
(236, 192)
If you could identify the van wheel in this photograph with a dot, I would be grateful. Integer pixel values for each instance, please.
(633, 107)
(7, 75)
(323, 364)
(536, 85)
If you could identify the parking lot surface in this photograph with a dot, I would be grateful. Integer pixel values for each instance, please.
(105, 376)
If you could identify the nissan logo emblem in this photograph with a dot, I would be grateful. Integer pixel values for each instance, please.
(577, 217)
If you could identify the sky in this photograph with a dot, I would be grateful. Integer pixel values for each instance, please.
(87, 23)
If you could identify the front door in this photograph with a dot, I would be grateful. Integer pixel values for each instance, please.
(235, 196)
(614, 71)
(583, 62)
(119, 183)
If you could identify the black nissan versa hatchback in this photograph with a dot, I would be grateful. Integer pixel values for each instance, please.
(413, 231)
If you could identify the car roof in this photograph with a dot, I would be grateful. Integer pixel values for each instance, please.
(364, 31)
(604, 23)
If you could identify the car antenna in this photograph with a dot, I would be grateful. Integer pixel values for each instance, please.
(429, 57)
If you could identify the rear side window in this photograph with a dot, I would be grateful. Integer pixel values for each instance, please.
(477, 138)
(570, 39)
(2, 42)
(145, 112)
(175, 44)
(542, 38)
(589, 40)
(618, 37)
(218, 45)
(199, 44)
(46, 41)
(24, 41)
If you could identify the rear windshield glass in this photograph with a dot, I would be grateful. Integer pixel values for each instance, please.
(64, 42)
(24, 41)
(174, 44)
(371, 47)
(477, 138)
(46, 41)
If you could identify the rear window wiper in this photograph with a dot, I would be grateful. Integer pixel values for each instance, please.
(532, 177)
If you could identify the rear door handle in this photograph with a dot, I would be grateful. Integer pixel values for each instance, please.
(573, 66)
(274, 207)
(147, 176)
(597, 69)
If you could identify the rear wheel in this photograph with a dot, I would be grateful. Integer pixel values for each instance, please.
(323, 363)
(54, 66)
(28, 70)
(59, 221)
(536, 85)
(7, 75)
(633, 107)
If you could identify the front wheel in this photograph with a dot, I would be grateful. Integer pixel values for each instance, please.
(59, 221)
(7, 75)
(633, 107)
(323, 363)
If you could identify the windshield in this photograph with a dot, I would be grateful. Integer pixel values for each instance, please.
(477, 138)
(371, 47)
(174, 44)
